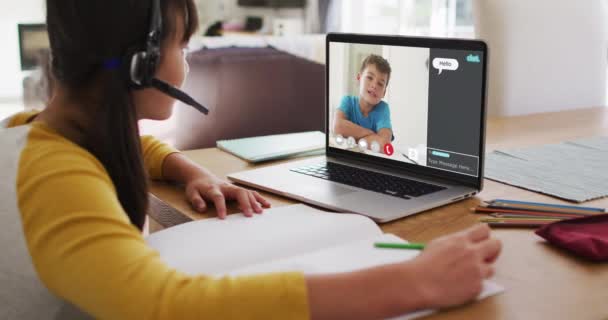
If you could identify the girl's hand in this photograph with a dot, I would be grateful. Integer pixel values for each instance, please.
(451, 269)
(203, 189)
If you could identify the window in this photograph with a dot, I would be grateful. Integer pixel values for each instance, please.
(447, 18)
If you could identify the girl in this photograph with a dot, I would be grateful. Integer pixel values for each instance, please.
(76, 177)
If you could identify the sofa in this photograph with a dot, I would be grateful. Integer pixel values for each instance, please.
(250, 92)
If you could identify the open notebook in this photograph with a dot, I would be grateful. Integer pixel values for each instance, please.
(296, 237)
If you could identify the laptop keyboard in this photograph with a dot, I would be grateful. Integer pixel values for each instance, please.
(369, 180)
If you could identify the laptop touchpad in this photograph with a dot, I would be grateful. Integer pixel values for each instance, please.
(338, 190)
(324, 190)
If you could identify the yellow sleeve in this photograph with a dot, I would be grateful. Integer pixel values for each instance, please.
(154, 154)
(86, 251)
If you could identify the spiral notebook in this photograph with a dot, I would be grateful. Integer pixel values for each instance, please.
(272, 147)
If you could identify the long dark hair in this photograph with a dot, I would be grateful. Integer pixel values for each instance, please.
(83, 36)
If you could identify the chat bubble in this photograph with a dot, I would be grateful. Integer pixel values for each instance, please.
(445, 64)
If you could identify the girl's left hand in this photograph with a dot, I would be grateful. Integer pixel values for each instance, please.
(201, 190)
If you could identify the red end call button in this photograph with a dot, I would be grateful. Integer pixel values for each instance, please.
(388, 149)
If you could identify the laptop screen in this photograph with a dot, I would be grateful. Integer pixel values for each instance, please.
(415, 104)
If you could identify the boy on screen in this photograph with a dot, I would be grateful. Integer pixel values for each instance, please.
(366, 116)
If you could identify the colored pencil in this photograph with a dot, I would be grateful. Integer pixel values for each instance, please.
(509, 215)
(512, 213)
(537, 206)
(539, 213)
(533, 214)
(390, 245)
(504, 205)
(514, 225)
(520, 216)
(543, 209)
(518, 220)
(516, 202)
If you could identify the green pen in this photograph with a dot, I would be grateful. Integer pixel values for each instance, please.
(411, 246)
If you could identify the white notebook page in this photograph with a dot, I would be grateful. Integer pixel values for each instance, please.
(212, 246)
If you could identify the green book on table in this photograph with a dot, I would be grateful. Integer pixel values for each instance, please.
(263, 148)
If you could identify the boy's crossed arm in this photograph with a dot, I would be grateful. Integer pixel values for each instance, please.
(347, 128)
(383, 137)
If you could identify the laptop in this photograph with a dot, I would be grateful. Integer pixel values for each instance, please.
(405, 128)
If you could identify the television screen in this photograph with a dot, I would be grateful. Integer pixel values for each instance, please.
(273, 3)
(33, 41)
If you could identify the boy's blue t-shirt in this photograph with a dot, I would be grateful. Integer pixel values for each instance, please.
(378, 118)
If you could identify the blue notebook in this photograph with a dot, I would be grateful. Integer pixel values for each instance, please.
(257, 149)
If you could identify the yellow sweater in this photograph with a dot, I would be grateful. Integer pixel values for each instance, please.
(85, 250)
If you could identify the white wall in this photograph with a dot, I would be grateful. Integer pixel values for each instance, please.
(11, 13)
(545, 55)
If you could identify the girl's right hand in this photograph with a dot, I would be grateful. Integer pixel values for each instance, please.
(451, 269)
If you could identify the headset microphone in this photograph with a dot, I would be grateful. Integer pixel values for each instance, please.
(178, 94)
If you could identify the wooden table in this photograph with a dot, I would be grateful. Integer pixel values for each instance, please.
(541, 282)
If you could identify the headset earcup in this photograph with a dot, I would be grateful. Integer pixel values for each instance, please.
(142, 68)
(138, 68)
(151, 61)
(134, 68)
